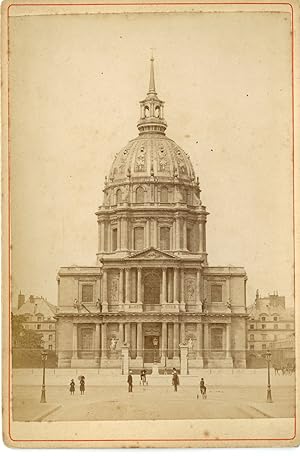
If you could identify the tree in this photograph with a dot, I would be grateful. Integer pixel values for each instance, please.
(22, 337)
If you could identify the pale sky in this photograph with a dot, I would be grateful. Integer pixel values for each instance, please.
(75, 84)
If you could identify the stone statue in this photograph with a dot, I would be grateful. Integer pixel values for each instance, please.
(203, 302)
(229, 304)
(190, 344)
(77, 305)
(113, 343)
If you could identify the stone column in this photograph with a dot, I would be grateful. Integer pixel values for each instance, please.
(199, 344)
(164, 285)
(147, 233)
(198, 297)
(108, 233)
(103, 341)
(127, 334)
(228, 341)
(200, 246)
(133, 283)
(182, 303)
(97, 341)
(121, 334)
(204, 237)
(99, 236)
(75, 341)
(155, 233)
(127, 286)
(139, 339)
(163, 341)
(170, 340)
(169, 280)
(175, 286)
(184, 235)
(119, 234)
(125, 234)
(177, 221)
(133, 340)
(182, 333)
(206, 341)
(139, 285)
(121, 289)
(104, 291)
(176, 340)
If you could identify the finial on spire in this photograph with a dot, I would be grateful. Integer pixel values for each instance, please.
(152, 81)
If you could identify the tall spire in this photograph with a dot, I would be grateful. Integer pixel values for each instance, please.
(152, 81)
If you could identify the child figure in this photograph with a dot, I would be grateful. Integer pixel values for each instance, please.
(82, 385)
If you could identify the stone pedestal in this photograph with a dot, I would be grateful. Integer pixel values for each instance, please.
(155, 370)
(170, 307)
(133, 307)
(125, 360)
(183, 359)
(105, 307)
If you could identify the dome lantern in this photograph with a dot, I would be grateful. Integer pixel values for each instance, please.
(152, 109)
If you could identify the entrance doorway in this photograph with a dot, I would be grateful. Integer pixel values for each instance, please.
(151, 291)
(86, 343)
(151, 349)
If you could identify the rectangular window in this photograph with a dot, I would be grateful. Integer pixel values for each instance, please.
(264, 346)
(216, 293)
(251, 326)
(216, 338)
(139, 238)
(251, 347)
(38, 326)
(114, 239)
(275, 326)
(264, 336)
(164, 238)
(189, 238)
(87, 293)
(50, 336)
(50, 347)
(263, 326)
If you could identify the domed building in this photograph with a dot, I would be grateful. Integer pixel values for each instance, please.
(152, 296)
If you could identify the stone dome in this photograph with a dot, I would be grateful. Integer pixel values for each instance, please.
(151, 154)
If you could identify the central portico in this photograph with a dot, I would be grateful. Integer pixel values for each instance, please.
(152, 294)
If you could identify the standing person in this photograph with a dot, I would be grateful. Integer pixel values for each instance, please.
(130, 381)
(143, 377)
(202, 388)
(72, 387)
(175, 379)
(82, 385)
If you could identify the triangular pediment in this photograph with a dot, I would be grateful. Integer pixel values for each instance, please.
(153, 254)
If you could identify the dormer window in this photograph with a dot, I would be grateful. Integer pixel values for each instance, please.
(146, 111)
(157, 111)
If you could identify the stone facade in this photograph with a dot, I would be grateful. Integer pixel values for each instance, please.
(152, 289)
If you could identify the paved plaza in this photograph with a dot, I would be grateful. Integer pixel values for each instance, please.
(151, 402)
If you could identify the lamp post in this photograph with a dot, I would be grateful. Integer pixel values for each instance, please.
(44, 359)
(269, 393)
(155, 344)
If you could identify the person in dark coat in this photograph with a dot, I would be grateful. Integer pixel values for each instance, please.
(175, 380)
(82, 385)
(130, 381)
(72, 387)
(202, 388)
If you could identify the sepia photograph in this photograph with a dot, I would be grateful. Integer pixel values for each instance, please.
(149, 220)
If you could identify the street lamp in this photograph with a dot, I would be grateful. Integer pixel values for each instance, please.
(44, 359)
(269, 393)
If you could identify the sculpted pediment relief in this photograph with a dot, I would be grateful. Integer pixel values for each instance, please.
(152, 253)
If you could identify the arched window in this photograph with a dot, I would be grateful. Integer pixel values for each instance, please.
(119, 196)
(157, 111)
(146, 111)
(139, 238)
(165, 238)
(139, 195)
(164, 194)
(189, 238)
(114, 239)
(251, 336)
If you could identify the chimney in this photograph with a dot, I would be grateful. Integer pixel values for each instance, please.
(21, 300)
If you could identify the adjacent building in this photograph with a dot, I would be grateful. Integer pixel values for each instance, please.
(151, 288)
(39, 316)
(270, 321)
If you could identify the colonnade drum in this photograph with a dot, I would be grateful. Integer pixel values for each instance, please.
(151, 291)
